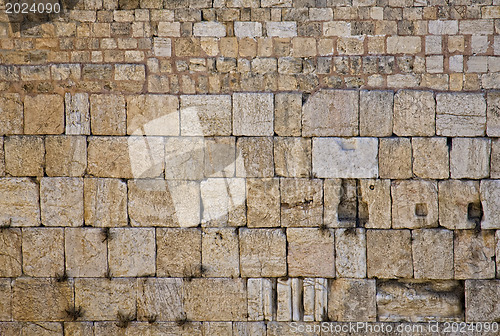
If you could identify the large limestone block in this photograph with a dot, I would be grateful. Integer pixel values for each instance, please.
(359, 293)
(481, 300)
(108, 116)
(223, 202)
(79, 328)
(388, 254)
(432, 254)
(10, 257)
(161, 298)
(86, 252)
(254, 157)
(345, 158)
(376, 196)
(153, 115)
(474, 253)
(77, 113)
(253, 114)
(43, 252)
(220, 157)
(375, 113)
(263, 202)
(292, 157)
(414, 113)
(219, 252)
(460, 114)
(146, 328)
(260, 299)
(301, 202)
(457, 201)
(470, 158)
(43, 114)
(19, 202)
(61, 201)
(178, 252)
(11, 114)
(65, 155)
(184, 158)
(288, 114)
(350, 253)
(395, 158)
(206, 115)
(43, 328)
(331, 113)
(24, 155)
(414, 204)
(430, 158)
(105, 202)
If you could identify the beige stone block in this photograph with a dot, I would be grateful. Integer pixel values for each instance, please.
(77, 113)
(288, 114)
(43, 252)
(215, 300)
(260, 299)
(152, 115)
(24, 155)
(495, 158)
(414, 204)
(160, 298)
(490, 193)
(432, 254)
(102, 299)
(132, 251)
(61, 201)
(469, 158)
(460, 114)
(5, 300)
(493, 113)
(11, 328)
(43, 114)
(360, 293)
(220, 157)
(389, 254)
(305, 247)
(205, 115)
(375, 203)
(218, 328)
(11, 118)
(42, 328)
(10, 258)
(414, 113)
(249, 329)
(253, 114)
(430, 158)
(219, 252)
(178, 252)
(459, 204)
(474, 254)
(184, 158)
(86, 252)
(395, 158)
(417, 301)
(334, 191)
(108, 116)
(19, 202)
(304, 47)
(79, 328)
(254, 157)
(263, 202)
(350, 253)
(2, 158)
(262, 252)
(331, 113)
(337, 28)
(105, 202)
(65, 155)
(223, 202)
(301, 202)
(41, 299)
(375, 113)
(292, 156)
(481, 297)
(146, 328)
(404, 44)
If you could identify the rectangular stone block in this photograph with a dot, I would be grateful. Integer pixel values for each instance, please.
(11, 118)
(219, 252)
(395, 158)
(301, 202)
(430, 157)
(493, 113)
(432, 254)
(374, 207)
(345, 158)
(474, 254)
(388, 254)
(414, 113)
(130, 72)
(262, 252)
(220, 157)
(146, 328)
(263, 203)
(260, 299)
(495, 158)
(284, 299)
(171, 29)
(331, 113)
(375, 113)
(79, 328)
(206, 115)
(460, 114)
(281, 29)
(481, 297)
(403, 44)
(253, 114)
(360, 293)
(77, 113)
(162, 47)
(469, 158)
(459, 204)
(24, 155)
(350, 253)
(161, 298)
(223, 202)
(5, 300)
(184, 158)
(288, 114)
(292, 156)
(85, 252)
(209, 29)
(247, 29)
(152, 115)
(254, 157)
(218, 328)
(61, 201)
(178, 252)
(105, 202)
(132, 252)
(19, 202)
(414, 204)
(65, 155)
(43, 252)
(10, 258)
(108, 116)
(249, 329)
(490, 196)
(43, 114)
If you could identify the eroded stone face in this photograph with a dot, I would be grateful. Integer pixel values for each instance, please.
(24, 155)
(292, 157)
(178, 252)
(375, 113)
(469, 158)
(389, 254)
(360, 293)
(108, 115)
(153, 115)
(395, 158)
(301, 202)
(11, 258)
(460, 114)
(43, 114)
(350, 253)
(490, 193)
(263, 202)
(204, 115)
(432, 254)
(86, 252)
(65, 155)
(457, 201)
(473, 254)
(11, 116)
(160, 298)
(19, 202)
(219, 252)
(480, 299)
(414, 204)
(61, 201)
(253, 114)
(414, 113)
(43, 252)
(105, 202)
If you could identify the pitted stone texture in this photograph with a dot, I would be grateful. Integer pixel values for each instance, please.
(108, 116)
(215, 300)
(102, 299)
(414, 204)
(65, 155)
(490, 200)
(254, 157)
(105, 202)
(160, 298)
(469, 158)
(331, 113)
(249, 329)
(263, 202)
(345, 158)
(493, 114)
(178, 252)
(247, 29)
(262, 252)
(5, 300)
(184, 158)
(376, 194)
(24, 155)
(395, 158)
(86, 252)
(460, 114)
(41, 299)
(2, 157)
(153, 115)
(430, 158)
(42, 328)
(43, 114)
(417, 301)
(473, 254)
(205, 115)
(481, 298)
(495, 158)
(414, 113)
(219, 252)
(432, 254)
(288, 114)
(210, 29)
(19, 202)
(145, 328)
(11, 114)
(360, 293)
(350, 253)
(223, 202)
(332, 194)
(403, 44)
(132, 252)
(43, 252)
(77, 113)
(389, 254)
(61, 201)
(218, 328)
(253, 114)
(10, 258)
(305, 247)
(301, 202)
(375, 113)
(292, 157)
(79, 328)
(281, 29)
(163, 203)
(455, 198)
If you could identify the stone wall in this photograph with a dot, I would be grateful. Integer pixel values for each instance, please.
(211, 167)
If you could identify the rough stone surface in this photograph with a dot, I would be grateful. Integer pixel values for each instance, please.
(108, 116)
(61, 201)
(292, 157)
(432, 254)
(85, 252)
(361, 298)
(223, 202)
(219, 252)
(288, 114)
(24, 155)
(11, 114)
(205, 115)
(253, 114)
(469, 158)
(395, 158)
(389, 254)
(65, 156)
(161, 298)
(5, 300)
(301, 202)
(263, 203)
(414, 113)
(184, 158)
(473, 254)
(105, 202)
(375, 113)
(152, 115)
(460, 114)
(10, 258)
(43, 114)
(430, 158)
(480, 299)
(178, 252)
(77, 113)
(350, 253)
(19, 202)
(493, 114)
(254, 157)
(43, 252)
(109, 157)
(455, 199)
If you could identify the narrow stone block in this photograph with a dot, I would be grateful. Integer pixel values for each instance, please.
(223, 202)
(260, 299)
(281, 29)
(414, 204)
(178, 252)
(5, 300)
(11, 116)
(292, 156)
(395, 158)
(77, 113)
(284, 299)
(350, 253)
(375, 113)
(493, 114)
(288, 114)
(61, 201)
(389, 254)
(263, 203)
(11, 258)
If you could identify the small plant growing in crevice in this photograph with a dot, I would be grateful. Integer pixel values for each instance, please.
(151, 318)
(109, 274)
(182, 320)
(324, 229)
(74, 313)
(107, 235)
(62, 277)
(6, 225)
(124, 319)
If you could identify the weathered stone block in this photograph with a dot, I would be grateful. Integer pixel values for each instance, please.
(375, 113)
(178, 252)
(11, 116)
(108, 115)
(459, 204)
(43, 252)
(281, 29)
(481, 297)
(403, 44)
(292, 157)
(132, 251)
(418, 301)
(105, 202)
(388, 254)
(263, 202)
(219, 252)
(86, 252)
(474, 254)
(218, 328)
(77, 113)
(223, 202)
(24, 155)
(495, 158)
(2, 157)
(215, 29)
(249, 329)
(61, 201)
(414, 113)
(432, 254)
(43, 114)
(79, 328)
(360, 293)
(130, 72)
(350, 253)
(42, 328)
(146, 328)
(490, 196)
(460, 114)
(10, 258)
(288, 114)
(254, 157)
(430, 158)
(65, 155)
(253, 114)
(375, 203)
(305, 247)
(5, 300)
(260, 299)
(247, 29)
(301, 202)
(414, 204)
(262, 252)
(345, 158)
(493, 114)
(19, 202)
(184, 158)
(206, 115)
(160, 298)
(331, 113)
(469, 158)
(153, 115)
(220, 157)
(395, 158)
